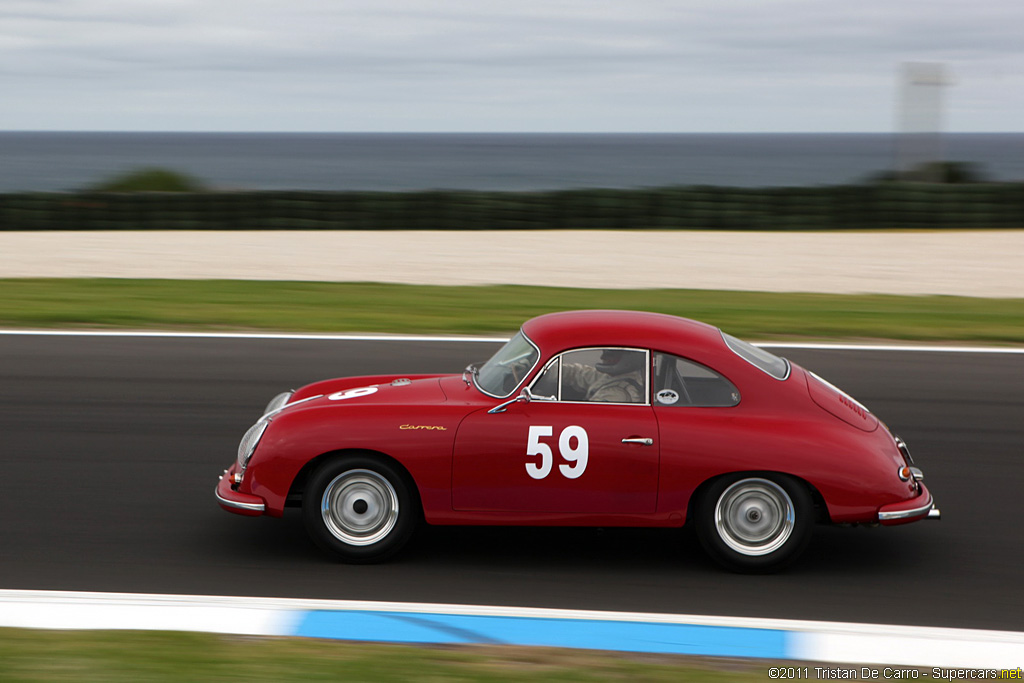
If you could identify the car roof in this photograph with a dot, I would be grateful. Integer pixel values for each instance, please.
(556, 332)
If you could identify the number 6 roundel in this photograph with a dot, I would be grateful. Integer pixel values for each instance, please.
(577, 453)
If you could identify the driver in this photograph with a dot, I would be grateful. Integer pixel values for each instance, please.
(616, 378)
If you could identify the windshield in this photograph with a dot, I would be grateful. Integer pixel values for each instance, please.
(768, 362)
(500, 376)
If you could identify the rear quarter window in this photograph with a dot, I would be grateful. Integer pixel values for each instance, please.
(758, 357)
(682, 382)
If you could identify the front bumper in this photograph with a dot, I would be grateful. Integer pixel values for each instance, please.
(233, 501)
(921, 506)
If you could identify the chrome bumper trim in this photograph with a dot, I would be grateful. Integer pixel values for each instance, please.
(255, 507)
(927, 508)
(934, 513)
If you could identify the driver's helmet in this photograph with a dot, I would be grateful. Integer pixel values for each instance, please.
(620, 361)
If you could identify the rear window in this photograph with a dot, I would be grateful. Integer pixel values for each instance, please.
(768, 362)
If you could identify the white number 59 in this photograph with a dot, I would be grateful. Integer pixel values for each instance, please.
(577, 454)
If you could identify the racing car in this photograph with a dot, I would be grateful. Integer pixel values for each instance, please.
(583, 418)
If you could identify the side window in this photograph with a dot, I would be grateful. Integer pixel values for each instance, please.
(682, 382)
(545, 387)
(604, 375)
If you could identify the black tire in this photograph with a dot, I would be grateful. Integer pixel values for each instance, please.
(359, 508)
(755, 523)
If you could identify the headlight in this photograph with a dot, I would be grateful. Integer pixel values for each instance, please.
(249, 441)
(278, 402)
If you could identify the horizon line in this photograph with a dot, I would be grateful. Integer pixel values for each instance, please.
(489, 132)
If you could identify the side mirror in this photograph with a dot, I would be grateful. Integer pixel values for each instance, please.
(525, 396)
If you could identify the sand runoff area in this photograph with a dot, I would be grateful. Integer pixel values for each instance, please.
(982, 263)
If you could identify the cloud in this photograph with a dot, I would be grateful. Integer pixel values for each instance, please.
(528, 65)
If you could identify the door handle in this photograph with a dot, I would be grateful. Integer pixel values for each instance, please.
(643, 441)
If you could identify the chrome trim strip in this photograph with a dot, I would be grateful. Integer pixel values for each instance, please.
(289, 405)
(255, 507)
(502, 407)
(558, 389)
(903, 514)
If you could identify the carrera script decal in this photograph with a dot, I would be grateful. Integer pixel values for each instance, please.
(352, 393)
(427, 427)
(577, 454)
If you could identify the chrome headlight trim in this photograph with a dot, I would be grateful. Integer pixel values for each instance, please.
(247, 446)
(278, 402)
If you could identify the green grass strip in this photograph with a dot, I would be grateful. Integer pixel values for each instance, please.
(133, 656)
(347, 307)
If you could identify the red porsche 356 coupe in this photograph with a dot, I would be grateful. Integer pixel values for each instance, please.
(584, 418)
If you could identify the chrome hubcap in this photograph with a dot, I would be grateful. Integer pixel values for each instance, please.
(754, 517)
(359, 507)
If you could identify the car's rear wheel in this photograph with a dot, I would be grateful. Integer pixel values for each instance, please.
(755, 523)
(359, 509)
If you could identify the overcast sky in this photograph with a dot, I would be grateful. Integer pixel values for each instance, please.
(515, 65)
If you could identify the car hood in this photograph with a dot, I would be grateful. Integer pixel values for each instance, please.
(372, 390)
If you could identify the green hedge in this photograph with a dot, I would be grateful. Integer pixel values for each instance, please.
(883, 205)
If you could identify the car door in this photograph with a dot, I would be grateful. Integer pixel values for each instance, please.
(696, 409)
(567, 450)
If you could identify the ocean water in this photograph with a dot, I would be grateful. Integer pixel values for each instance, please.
(66, 161)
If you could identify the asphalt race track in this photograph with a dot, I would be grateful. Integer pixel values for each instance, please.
(110, 448)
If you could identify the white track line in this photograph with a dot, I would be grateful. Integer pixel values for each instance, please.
(251, 335)
(161, 334)
(796, 639)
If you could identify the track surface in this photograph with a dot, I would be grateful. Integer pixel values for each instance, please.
(110, 449)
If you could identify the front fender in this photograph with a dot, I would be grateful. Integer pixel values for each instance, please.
(419, 440)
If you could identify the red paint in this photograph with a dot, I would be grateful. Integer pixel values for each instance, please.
(470, 467)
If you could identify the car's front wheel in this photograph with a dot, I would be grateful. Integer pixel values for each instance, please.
(755, 523)
(359, 509)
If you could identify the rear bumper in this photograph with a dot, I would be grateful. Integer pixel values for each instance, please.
(921, 506)
(233, 501)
